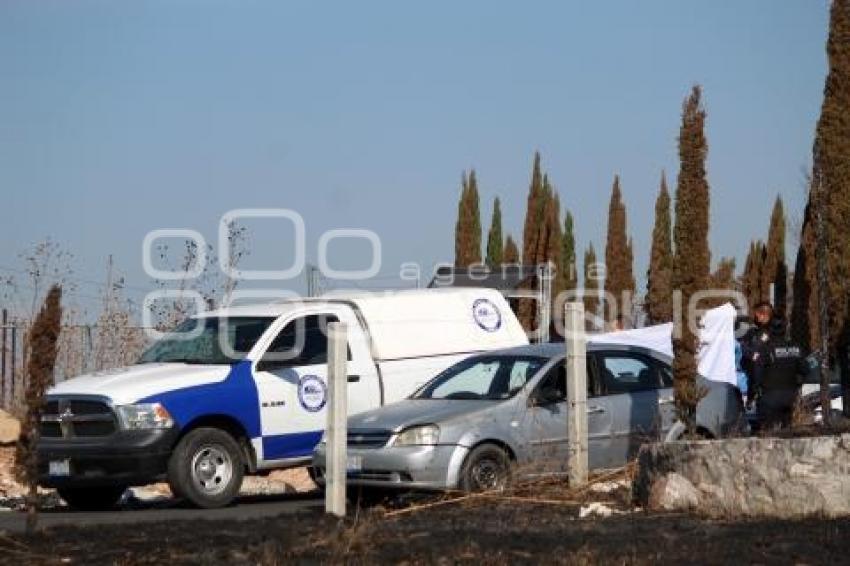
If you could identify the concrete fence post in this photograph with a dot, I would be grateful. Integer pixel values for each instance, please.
(576, 367)
(337, 433)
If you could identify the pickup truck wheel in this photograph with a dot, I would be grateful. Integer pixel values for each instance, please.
(92, 498)
(206, 468)
(486, 468)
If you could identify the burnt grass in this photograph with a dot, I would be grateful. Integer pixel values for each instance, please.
(473, 531)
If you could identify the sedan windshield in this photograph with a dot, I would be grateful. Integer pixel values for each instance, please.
(482, 378)
(212, 340)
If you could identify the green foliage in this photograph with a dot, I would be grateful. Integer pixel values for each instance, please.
(494, 237)
(752, 280)
(590, 293)
(659, 289)
(831, 179)
(41, 360)
(568, 272)
(691, 260)
(775, 270)
(511, 253)
(619, 277)
(468, 226)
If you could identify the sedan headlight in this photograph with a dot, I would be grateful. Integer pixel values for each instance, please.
(424, 435)
(145, 416)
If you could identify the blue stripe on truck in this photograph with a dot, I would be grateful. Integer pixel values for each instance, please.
(290, 445)
(235, 397)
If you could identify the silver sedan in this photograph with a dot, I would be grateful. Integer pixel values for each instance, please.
(502, 414)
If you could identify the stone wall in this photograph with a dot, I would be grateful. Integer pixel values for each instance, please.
(755, 477)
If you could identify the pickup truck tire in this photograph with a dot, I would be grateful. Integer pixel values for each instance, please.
(206, 468)
(486, 468)
(92, 498)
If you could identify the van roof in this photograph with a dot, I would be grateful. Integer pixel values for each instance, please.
(416, 322)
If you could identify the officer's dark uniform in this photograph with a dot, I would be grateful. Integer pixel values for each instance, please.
(755, 354)
(777, 382)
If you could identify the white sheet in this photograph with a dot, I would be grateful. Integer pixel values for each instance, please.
(717, 342)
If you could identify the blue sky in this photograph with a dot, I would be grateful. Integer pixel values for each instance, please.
(117, 118)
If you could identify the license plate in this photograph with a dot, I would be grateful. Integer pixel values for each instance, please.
(60, 468)
(354, 463)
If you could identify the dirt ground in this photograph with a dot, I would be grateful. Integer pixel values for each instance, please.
(597, 526)
(486, 532)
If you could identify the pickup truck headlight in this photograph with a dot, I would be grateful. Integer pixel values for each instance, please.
(424, 435)
(145, 416)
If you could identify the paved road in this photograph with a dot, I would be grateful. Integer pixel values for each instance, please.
(250, 507)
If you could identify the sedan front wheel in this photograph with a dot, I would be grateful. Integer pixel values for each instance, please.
(486, 468)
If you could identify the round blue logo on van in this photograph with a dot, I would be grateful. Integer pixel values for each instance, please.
(312, 393)
(486, 315)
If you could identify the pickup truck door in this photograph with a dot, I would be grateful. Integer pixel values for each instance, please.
(291, 380)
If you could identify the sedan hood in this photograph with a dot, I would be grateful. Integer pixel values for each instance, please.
(131, 383)
(409, 412)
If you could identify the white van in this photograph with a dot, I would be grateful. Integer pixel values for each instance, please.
(243, 389)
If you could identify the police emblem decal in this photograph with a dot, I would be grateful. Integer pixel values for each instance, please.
(312, 393)
(486, 315)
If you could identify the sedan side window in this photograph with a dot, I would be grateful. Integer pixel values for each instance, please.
(627, 373)
(553, 386)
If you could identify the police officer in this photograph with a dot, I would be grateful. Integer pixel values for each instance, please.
(755, 349)
(778, 383)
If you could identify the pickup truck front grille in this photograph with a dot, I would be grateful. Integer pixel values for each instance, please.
(77, 418)
(368, 438)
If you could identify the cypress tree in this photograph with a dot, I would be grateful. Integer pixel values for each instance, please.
(468, 226)
(568, 273)
(541, 234)
(659, 291)
(494, 237)
(511, 253)
(752, 279)
(43, 338)
(821, 313)
(475, 220)
(774, 270)
(691, 260)
(723, 278)
(533, 213)
(805, 321)
(619, 278)
(831, 177)
(591, 285)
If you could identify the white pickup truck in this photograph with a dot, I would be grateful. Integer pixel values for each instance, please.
(243, 389)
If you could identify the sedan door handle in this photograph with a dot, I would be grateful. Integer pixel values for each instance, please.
(594, 409)
(665, 401)
(353, 378)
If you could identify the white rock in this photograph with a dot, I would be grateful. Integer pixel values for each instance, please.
(597, 509)
(673, 492)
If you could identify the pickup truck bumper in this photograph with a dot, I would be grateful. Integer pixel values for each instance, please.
(136, 457)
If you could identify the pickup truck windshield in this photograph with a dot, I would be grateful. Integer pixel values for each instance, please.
(488, 378)
(213, 340)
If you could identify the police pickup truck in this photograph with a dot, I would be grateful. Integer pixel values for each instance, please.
(243, 390)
